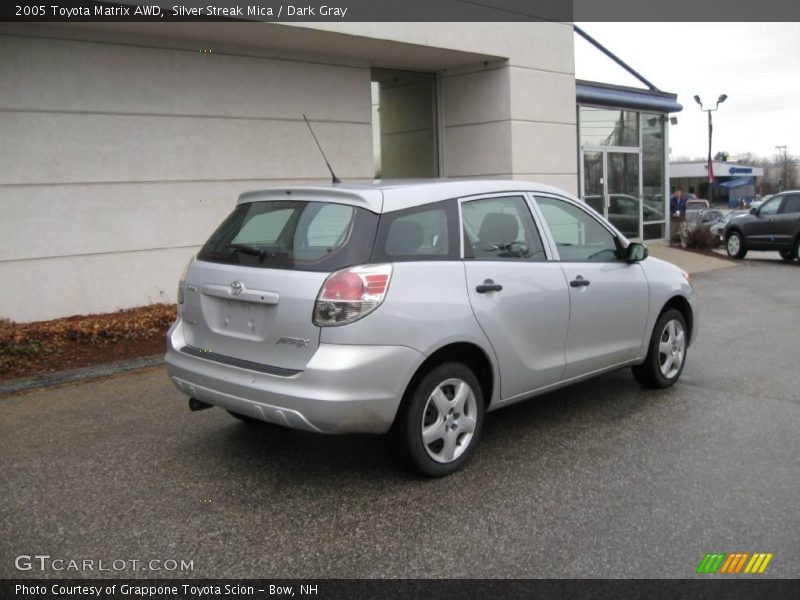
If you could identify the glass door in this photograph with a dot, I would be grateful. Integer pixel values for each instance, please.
(593, 178)
(611, 184)
(624, 200)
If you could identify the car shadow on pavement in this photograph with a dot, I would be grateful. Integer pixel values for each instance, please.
(270, 452)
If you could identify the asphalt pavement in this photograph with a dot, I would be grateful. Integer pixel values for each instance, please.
(603, 479)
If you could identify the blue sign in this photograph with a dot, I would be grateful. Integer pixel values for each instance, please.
(734, 170)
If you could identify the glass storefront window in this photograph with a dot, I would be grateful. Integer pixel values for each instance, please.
(620, 148)
(653, 193)
(608, 127)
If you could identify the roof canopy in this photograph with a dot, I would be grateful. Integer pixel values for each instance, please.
(600, 94)
(738, 182)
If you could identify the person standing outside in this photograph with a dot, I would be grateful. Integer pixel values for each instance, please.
(677, 202)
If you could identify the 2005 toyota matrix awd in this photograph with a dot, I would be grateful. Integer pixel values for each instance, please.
(413, 308)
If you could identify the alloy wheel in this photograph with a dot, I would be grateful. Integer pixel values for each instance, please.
(671, 349)
(449, 420)
(734, 245)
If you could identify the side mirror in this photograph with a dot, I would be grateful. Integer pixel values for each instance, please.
(635, 252)
(754, 211)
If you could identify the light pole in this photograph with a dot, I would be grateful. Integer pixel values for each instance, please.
(783, 181)
(720, 100)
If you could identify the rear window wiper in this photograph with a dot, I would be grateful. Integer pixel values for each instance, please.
(251, 250)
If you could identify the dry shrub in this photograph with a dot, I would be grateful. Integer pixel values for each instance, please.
(698, 238)
(20, 341)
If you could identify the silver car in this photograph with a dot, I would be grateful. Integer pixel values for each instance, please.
(413, 308)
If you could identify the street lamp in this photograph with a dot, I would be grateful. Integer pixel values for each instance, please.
(720, 100)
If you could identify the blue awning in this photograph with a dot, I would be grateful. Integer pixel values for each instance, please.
(619, 97)
(737, 182)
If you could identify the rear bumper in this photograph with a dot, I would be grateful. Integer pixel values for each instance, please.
(343, 389)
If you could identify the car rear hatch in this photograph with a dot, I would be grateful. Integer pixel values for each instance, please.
(249, 297)
(260, 316)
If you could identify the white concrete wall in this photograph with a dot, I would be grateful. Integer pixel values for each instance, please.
(120, 160)
(120, 156)
(515, 118)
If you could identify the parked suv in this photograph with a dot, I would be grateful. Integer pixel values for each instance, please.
(775, 225)
(413, 308)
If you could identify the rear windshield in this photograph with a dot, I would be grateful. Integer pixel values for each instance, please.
(304, 236)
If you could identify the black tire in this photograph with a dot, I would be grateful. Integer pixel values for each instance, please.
(735, 249)
(651, 373)
(797, 248)
(451, 443)
(787, 255)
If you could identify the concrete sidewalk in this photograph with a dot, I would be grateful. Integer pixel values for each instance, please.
(691, 262)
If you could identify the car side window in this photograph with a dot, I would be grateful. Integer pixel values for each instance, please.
(427, 232)
(500, 229)
(770, 207)
(578, 235)
(792, 205)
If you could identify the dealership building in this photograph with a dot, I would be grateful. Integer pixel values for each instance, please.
(125, 144)
(733, 184)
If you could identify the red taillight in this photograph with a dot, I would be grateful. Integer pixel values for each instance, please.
(351, 294)
(343, 285)
(376, 284)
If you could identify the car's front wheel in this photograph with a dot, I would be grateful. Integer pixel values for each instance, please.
(440, 422)
(787, 255)
(735, 245)
(666, 353)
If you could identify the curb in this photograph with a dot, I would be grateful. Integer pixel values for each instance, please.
(82, 374)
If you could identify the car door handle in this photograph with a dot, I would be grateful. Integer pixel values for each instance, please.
(488, 286)
(579, 282)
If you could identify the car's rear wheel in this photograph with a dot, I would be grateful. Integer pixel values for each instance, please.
(666, 353)
(735, 245)
(787, 255)
(441, 420)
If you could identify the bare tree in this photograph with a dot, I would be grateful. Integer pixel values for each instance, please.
(786, 169)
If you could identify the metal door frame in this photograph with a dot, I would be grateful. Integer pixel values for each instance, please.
(604, 150)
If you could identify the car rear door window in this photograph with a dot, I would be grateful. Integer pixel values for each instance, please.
(791, 205)
(427, 232)
(500, 229)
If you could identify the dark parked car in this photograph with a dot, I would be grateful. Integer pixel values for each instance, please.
(704, 218)
(718, 228)
(623, 212)
(775, 225)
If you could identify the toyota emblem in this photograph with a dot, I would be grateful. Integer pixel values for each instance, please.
(236, 288)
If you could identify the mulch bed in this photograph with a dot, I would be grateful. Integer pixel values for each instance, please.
(31, 349)
(708, 252)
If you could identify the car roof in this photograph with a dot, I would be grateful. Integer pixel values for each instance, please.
(391, 195)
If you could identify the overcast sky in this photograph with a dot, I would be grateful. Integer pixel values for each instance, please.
(756, 64)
